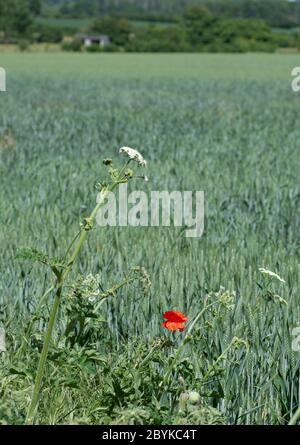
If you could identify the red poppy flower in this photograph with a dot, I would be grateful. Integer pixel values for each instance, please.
(174, 320)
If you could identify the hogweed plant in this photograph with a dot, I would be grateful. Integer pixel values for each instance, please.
(82, 297)
(61, 268)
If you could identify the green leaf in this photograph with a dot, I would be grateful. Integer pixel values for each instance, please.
(27, 253)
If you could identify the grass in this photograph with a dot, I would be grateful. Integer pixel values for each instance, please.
(34, 48)
(225, 124)
(215, 67)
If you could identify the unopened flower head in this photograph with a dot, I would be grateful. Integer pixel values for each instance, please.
(239, 342)
(194, 397)
(134, 155)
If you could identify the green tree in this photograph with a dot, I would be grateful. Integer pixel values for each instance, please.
(274, 12)
(35, 7)
(15, 16)
(199, 23)
(158, 39)
(118, 30)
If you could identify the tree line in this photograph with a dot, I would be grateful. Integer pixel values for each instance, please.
(276, 13)
(199, 28)
(16, 16)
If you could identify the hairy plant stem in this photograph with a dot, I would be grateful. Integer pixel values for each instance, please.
(213, 366)
(31, 323)
(43, 357)
(61, 277)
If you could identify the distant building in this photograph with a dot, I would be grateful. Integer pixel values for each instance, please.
(88, 40)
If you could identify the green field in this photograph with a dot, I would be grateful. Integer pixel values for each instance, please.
(224, 124)
(204, 67)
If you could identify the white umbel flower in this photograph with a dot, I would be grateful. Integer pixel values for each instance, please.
(271, 274)
(134, 154)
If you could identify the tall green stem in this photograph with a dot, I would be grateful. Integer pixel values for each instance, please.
(43, 357)
(28, 331)
(212, 367)
(60, 281)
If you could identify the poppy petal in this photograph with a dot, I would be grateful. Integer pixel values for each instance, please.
(175, 316)
(171, 325)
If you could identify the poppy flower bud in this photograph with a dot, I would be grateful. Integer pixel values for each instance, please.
(181, 380)
(184, 397)
(194, 397)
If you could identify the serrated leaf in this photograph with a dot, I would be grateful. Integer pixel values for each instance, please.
(27, 253)
(19, 371)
